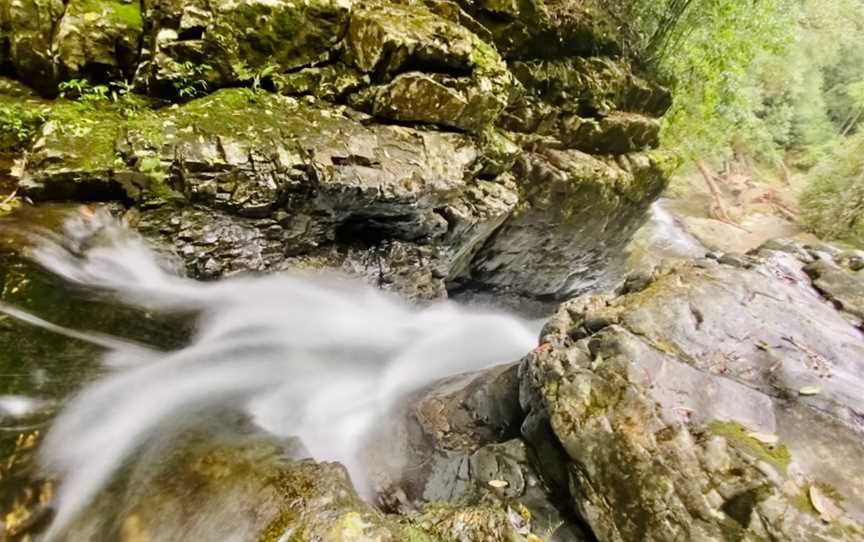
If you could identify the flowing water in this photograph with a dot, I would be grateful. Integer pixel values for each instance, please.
(316, 357)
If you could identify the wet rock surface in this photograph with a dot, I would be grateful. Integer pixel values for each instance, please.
(457, 441)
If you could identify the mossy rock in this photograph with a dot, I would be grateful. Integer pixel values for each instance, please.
(429, 69)
(99, 38)
(28, 28)
(591, 86)
(524, 29)
(20, 121)
(664, 413)
(332, 83)
(776, 455)
(197, 49)
(383, 39)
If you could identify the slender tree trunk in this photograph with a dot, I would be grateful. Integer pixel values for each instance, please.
(851, 122)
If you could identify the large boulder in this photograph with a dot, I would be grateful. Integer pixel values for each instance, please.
(265, 182)
(254, 154)
(570, 201)
(26, 33)
(701, 404)
(441, 72)
(99, 38)
(195, 47)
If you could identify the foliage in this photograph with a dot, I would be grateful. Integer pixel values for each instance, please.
(19, 124)
(833, 202)
(777, 80)
(262, 75)
(82, 90)
(117, 93)
(762, 76)
(708, 58)
(190, 82)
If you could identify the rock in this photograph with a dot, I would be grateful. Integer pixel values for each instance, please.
(99, 38)
(73, 158)
(205, 484)
(227, 196)
(27, 30)
(617, 133)
(194, 48)
(328, 171)
(414, 272)
(452, 458)
(434, 99)
(570, 199)
(682, 418)
(472, 219)
(330, 83)
(851, 259)
(546, 29)
(469, 85)
(591, 86)
(842, 286)
(385, 40)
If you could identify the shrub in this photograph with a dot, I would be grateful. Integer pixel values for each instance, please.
(833, 202)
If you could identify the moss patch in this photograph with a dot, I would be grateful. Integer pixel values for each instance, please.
(778, 456)
(120, 13)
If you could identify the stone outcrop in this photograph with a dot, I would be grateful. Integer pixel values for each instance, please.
(438, 141)
(710, 401)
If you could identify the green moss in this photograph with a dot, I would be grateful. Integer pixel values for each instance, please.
(87, 134)
(411, 533)
(286, 35)
(484, 57)
(256, 116)
(121, 13)
(277, 528)
(778, 456)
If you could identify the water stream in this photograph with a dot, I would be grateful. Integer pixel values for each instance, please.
(318, 357)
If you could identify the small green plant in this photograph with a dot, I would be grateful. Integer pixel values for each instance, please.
(266, 71)
(117, 93)
(190, 82)
(84, 91)
(19, 125)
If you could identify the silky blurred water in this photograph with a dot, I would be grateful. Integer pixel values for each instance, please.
(318, 357)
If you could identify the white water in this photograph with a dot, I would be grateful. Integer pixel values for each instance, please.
(317, 357)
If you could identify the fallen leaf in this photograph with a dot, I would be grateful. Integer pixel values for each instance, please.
(810, 390)
(498, 484)
(765, 438)
(828, 511)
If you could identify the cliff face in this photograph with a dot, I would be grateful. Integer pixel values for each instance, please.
(426, 146)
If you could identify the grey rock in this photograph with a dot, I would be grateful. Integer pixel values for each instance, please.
(843, 286)
(683, 417)
(571, 200)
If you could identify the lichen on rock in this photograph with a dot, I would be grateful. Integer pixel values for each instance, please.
(681, 416)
